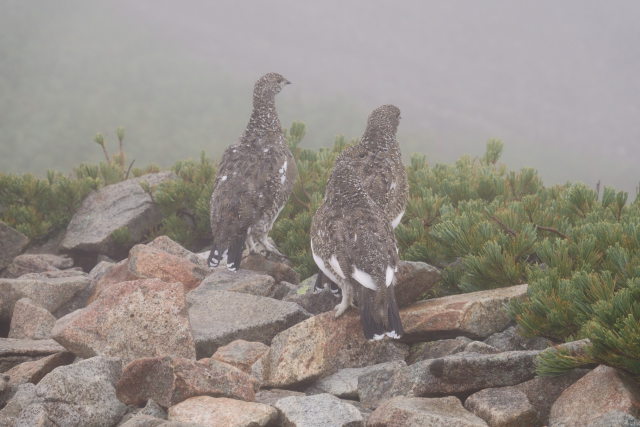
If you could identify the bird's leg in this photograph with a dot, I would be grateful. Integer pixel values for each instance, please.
(252, 243)
(347, 301)
(269, 247)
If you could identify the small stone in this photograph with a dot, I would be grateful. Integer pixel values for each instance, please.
(241, 354)
(319, 410)
(322, 345)
(30, 321)
(313, 302)
(169, 246)
(222, 412)
(414, 281)
(280, 271)
(220, 317)
(599, 392)
(245, 281)
(12, 243)
(436, 349)
(416, 411)
(475, 314)
(480, 347)
(170, 380)
(503, 407)
(130, 320)
(512, 340)
(146, 262)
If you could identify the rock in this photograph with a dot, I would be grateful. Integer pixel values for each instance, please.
(34, 371)
(124, 205)
(416, 411)
(130, 320)
(511, 340)
(222, 412)
(12, 243)
(436, 349)
(615, 418)
(241, 354)
(313, 302)
(414, 280)
(116, 273)
(318, 410)
(16, 351)
(344, 383)
(50, 293)
(220, 317)
(270, 397)
(25, 394)
(245, 281)
(503, 407)
(599, 392)
(458, 373)
(170, 380)
(81, 394)
(55, 274)
(36, 263)
(278, 270)
(146, 262)
(480, 347)
(475, 314)
(169, 246)
(142, 416)
(29, 320)
(322, 345)
(543, 391)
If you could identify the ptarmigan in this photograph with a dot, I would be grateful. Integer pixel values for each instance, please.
(353, 244)
(254, 181)
(377, 161)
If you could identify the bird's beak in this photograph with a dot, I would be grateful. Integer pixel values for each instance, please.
(287, 82)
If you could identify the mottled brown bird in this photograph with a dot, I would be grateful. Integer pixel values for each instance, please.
(254, 181)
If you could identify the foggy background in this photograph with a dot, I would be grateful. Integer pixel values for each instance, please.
(557, 81)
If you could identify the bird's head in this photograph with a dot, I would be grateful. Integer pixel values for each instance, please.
(383, 122)
(269, 85)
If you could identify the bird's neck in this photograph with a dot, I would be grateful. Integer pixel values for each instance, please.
(264, 117)
(376, 140)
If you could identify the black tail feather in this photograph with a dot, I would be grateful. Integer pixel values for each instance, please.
(379, 318)
(395, 323)
(234, 256)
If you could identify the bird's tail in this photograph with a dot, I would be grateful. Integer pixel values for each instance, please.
(379, 314)
(231, 252)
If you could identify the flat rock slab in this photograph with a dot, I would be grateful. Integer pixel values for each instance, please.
(458, 373)
(503, 407)
(12, 243)
(31, 321)
(416, 411)
(598, 393)
(34, 371)
(15, 351)
(322, 345)
(246, 281)
(475, 314)
(344, 383)
(37, 263)
(50, 293)
(414, 281)
(220, 317)
(319, 410)
(271, 396)
(82, 394)
(223, 412)
(436, 349)
(168, 381)
(116, 206)
(511, 340)
(241, 354)
(147, 262)
(130, 320)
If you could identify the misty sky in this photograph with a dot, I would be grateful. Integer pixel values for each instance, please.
(557, 81)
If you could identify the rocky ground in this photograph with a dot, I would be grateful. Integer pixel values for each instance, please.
(159, 339)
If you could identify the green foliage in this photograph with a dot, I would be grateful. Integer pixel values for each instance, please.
(122, 237)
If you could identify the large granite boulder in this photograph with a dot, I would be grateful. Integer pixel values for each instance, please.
(416, 411)
(124, 205)
(223, 412)
(220, 317)
(130, 320)
(30, 320)
(322, 345)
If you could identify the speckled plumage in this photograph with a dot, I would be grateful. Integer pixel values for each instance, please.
(377, 161)
(254, 181)
(353, 244)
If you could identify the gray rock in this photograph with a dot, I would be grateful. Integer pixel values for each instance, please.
(414, 281)
(31, 321)
(222, 411)
(416, 411)
(270, 397)
(458, 373)
(25, 394)
(503, 407)
(165, 244)
(344, 383)
(313, 302)
(480, 347)
(36, 263)
(219, 317)
(50, 293)
(319, 410)
(615, 418)
(280, 271)
(12, 243)
(116, 206)
(245, 281)
(511, 340)
(436, 349)
(150, 421)
(16, 351)
(151, 409)
(82, 394)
